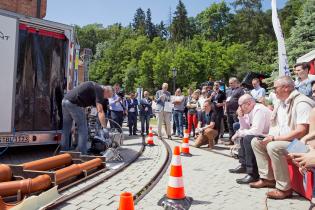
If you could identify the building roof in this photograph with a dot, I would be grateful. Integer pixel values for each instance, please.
(307, 57)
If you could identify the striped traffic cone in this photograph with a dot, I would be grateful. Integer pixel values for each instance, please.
(175, 196)
(185, 148)
(186, 133)
(150, 141)
(175, 189)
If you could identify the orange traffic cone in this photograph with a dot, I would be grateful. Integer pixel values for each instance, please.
(175, 189)
(150, 141)
(185, 148)
(126, 201)
(175, 196)
(186, 134)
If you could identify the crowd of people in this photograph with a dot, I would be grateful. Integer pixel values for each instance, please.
(263, 126)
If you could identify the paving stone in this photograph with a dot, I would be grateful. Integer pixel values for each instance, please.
(206, 179)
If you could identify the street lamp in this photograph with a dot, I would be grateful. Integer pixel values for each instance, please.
(174, 71)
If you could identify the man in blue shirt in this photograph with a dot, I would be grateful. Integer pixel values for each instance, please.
(302, 82)
(258, 91)
(131, 106)
(116, 105)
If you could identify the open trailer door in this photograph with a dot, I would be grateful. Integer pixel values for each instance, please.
(37, 68)
(8, 46)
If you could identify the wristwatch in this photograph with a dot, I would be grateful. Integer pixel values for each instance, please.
(273, 138)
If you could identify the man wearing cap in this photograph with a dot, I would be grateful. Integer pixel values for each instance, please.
(86, 94)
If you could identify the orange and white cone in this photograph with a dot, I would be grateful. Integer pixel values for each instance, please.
(150, 141)
(175, 196)
(185, 148)
(175, 189)
(186, 134)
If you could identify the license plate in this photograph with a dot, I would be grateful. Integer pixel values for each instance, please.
(22, 139)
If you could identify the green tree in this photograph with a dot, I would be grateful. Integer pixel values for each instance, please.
(161, 68)
(289, 14)
(180, 28)
(146, 70)
(212, 22)
(161, 30)
(302, 39)
(131, 73)
(150, 27)
(139, 23)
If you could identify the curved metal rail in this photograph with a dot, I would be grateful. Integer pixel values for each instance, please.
(140, 194)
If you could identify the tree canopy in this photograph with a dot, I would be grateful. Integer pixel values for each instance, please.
(221, 41)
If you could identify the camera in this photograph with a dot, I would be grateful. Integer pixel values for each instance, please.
(121, 94)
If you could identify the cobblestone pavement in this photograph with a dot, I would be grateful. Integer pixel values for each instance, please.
(132, 179)
(207, 180)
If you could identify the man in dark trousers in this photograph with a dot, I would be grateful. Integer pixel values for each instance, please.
(117, 108)
(235, 93)
(145, 110)
(73, 104)
(131, 106)
(218, 99)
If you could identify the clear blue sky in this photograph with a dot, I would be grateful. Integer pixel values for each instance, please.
(107, 12)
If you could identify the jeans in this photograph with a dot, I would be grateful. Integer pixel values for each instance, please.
(132, 122)
(118, 117)
(178, 120)
(71, 112)
(145, 119)
(247, 156)
(231, 118)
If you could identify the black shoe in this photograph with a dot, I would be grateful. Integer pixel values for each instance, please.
(135, 134)
(247, 179)
(238, 170)
(169, 137)
(130, 134)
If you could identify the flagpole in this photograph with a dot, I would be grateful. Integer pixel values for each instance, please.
(283, 60)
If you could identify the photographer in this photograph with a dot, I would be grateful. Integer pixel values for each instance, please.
(73, 104)
(117, 108)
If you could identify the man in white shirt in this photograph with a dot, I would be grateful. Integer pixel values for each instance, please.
(289, 121)
(254, 119)
(258, 91)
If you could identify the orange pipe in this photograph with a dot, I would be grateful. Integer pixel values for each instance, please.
(48, 163)
(76, 169)
(5, 173)
(91, 164)
(26, 186)
(68, 172)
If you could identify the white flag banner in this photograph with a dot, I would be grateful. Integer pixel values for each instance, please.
(283, 60)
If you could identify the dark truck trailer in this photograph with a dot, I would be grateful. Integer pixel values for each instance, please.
(37, 67)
